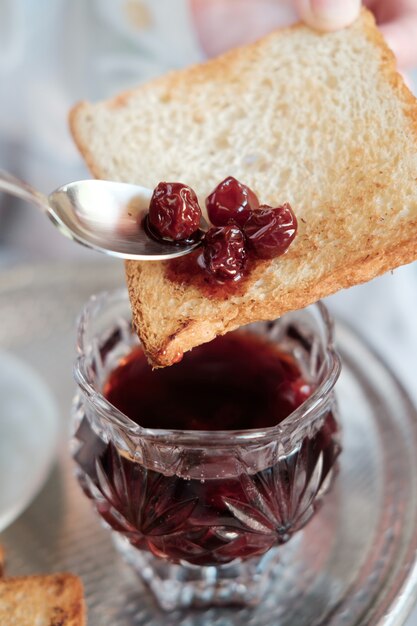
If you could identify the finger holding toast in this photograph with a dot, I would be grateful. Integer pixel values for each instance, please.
(328, 15)
(397, 20)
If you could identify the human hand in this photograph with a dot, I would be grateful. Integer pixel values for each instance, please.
(222, 24)
(328, 15)
(397, 19)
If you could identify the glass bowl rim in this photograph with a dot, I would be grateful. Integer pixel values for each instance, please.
(110, 413)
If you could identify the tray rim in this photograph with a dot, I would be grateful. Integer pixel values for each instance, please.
(404, 596)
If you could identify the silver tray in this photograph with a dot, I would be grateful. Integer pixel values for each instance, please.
(355, 563)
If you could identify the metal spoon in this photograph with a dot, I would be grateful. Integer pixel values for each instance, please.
(102, 215)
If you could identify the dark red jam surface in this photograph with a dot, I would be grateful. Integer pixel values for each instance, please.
(235, 381)
(191, 270)
(208, 510)
(174, 212)
(231, 201)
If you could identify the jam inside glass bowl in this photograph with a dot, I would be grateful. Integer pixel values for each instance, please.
(212, 463)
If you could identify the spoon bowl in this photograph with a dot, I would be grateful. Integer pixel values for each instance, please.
(106, 216)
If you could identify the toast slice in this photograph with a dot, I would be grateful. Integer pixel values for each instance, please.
(42, 600)
(322, 121)
(2, 559)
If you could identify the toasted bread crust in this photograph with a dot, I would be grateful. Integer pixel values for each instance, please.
(196, 332)
(50, 599)
(359, 222)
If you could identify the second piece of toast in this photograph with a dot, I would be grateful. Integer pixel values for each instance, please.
(44, 600)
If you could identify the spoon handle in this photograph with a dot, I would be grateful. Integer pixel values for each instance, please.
(16, 187)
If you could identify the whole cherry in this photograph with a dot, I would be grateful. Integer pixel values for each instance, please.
(269, 231)
(231, 201)
(174, 212)
(224, 252)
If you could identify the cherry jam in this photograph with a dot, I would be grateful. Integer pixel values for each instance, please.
(237, 381)
(231, 201)
(230, 510)
(174, 211)
(242, 231)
